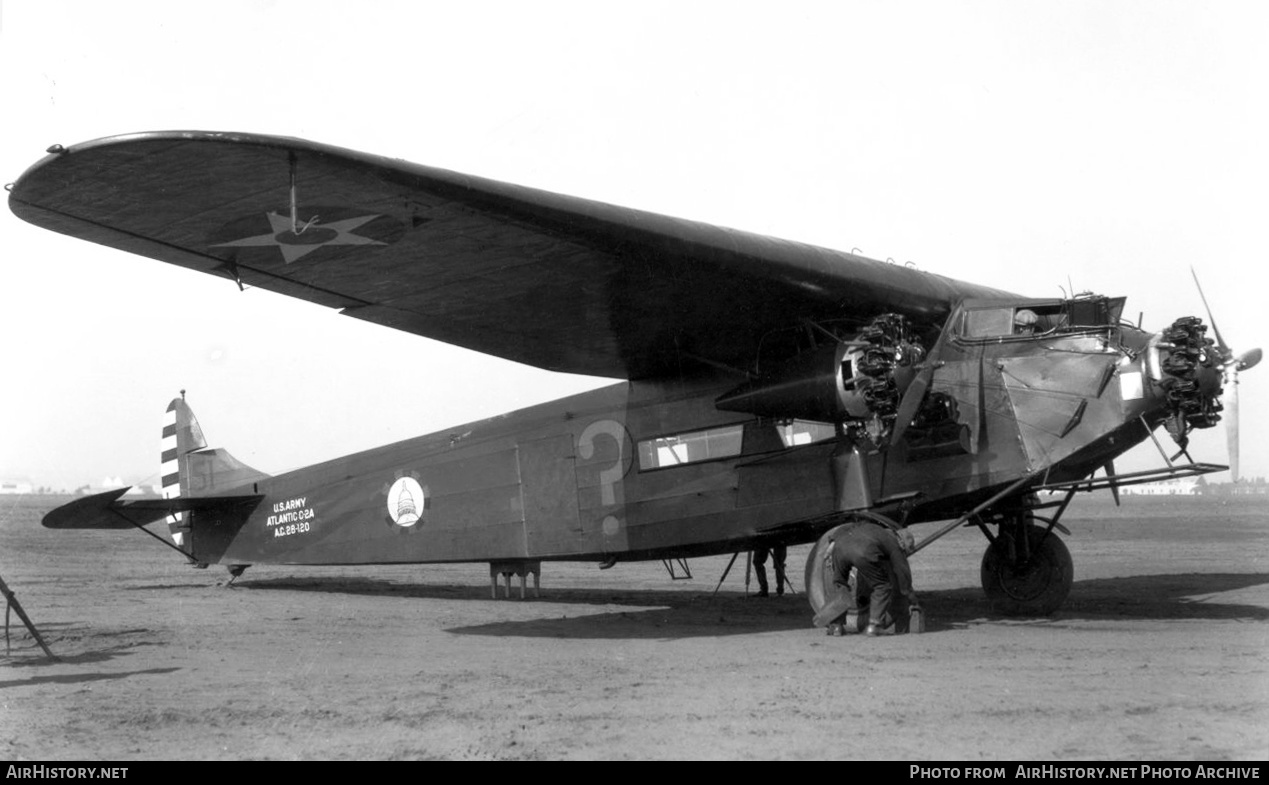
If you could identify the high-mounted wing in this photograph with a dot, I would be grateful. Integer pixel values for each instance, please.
(548, 280)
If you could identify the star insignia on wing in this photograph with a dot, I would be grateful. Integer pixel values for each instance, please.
(311, 235)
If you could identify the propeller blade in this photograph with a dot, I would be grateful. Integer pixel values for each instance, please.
(1231, 428)
(1109, 468)
(912, 399)
(1247, 359)
(917, 388)
(1226, 352)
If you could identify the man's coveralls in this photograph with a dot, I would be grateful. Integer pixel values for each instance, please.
(881, 566)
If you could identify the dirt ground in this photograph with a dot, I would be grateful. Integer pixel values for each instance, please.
(1160, 653)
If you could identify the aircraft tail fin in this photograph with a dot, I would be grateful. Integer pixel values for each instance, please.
(189, 469)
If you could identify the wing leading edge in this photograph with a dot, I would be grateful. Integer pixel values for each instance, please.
(544, 279)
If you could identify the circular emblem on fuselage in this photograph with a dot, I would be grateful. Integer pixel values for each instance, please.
(406, 502)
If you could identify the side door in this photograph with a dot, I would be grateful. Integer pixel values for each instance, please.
(548, 491)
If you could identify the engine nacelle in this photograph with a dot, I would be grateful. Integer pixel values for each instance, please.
(860, 380)
(811, 386)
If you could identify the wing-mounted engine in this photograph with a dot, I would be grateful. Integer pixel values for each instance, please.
(1190, 376)
(857, 383)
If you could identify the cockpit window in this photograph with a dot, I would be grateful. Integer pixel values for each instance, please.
(1003, 321)
(999, 322)
(989, 323)
(1037, 317)
(1095, 311)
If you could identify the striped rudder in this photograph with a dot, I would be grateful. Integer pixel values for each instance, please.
(181, 436)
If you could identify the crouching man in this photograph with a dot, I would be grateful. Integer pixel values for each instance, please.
(880, 559)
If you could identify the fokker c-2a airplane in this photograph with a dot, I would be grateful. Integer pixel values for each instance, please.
(773, 391)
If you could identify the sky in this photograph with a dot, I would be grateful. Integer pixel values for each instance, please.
(1105, 146)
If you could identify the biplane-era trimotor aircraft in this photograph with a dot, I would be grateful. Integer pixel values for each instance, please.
(772, 391)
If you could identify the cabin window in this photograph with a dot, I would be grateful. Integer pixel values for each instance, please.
(694, 447)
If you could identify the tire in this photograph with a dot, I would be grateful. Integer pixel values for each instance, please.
(820, 586)
(1034, 586)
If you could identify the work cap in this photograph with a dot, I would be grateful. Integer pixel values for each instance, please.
(907, 541)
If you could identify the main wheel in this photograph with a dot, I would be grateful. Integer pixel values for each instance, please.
(1027, 571)
(822, 590)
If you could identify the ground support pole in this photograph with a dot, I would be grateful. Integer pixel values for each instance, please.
(12, 601)
(726, 572)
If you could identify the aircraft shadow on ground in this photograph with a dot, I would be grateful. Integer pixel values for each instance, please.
(80, 678)
(441, 591)
(1140, 597)
(93, 645)
(653, 613)
(680, 614)
(1173, 596)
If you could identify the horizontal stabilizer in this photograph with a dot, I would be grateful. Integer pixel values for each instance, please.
(106, 511)
(91, 512)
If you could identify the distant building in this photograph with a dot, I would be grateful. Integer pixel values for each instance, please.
(1244, 487)
(1255, 488)
(115, 483)
(14, 487)
(1182, 486)
(147, 491)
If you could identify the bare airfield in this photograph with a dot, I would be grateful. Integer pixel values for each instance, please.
(1160, 653)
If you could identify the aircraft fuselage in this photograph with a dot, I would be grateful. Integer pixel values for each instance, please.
(653, 470)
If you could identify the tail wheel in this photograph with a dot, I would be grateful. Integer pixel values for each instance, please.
(1027, 571)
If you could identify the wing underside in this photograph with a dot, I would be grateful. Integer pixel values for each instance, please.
(547, 280)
